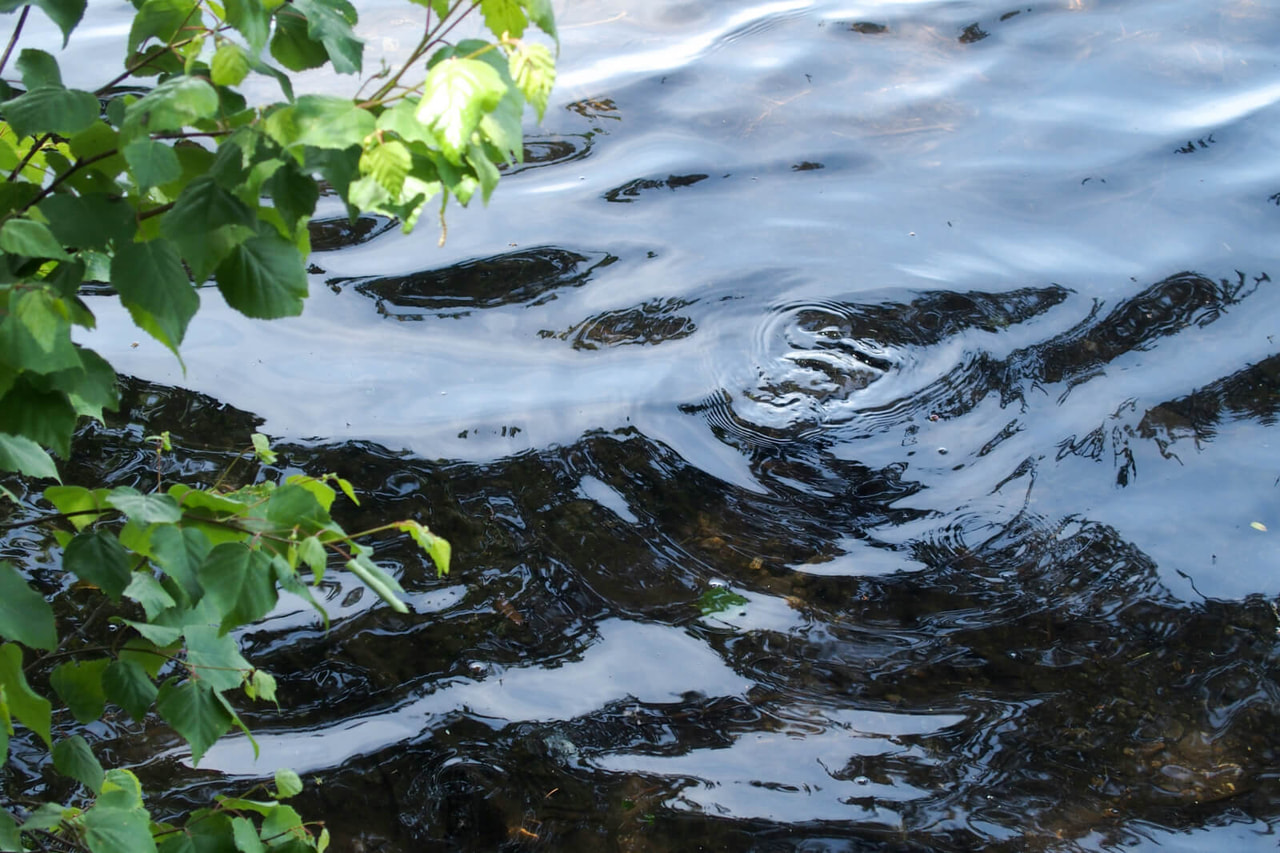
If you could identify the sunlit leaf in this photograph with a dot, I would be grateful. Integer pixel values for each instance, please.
(78, 503)
(457, 92)
(504, 17)
(534, 71)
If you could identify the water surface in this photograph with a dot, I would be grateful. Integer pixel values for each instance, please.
(941, 333)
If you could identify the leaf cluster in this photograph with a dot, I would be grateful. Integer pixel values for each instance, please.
(180, 570)
(162, 182)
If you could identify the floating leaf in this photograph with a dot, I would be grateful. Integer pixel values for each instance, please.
(1258, 525)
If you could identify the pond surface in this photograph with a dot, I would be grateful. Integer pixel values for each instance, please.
(851, 424)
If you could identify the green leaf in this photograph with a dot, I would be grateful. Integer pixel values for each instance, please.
(457, 93)
(153, 285)
(229, 66)
(193, 709)
(179, 552)
(504, 16)
(261, 685)
(39, 69)
(162, 20)
(121, 790)
(90, 388)
(149, 592)
(152, 163)
(80, 686)
(534, 71)
(321, 121)
(436, 547)
(31, 709)
(97, 557)
(203, 208)
(292, 46)
(161, 636)
(294, 192)
(288, 784)
(89, 222)
(146, 654)
(264, 278)
(65, 13)
(294, 507)
(383, 585)
(51, 110)
(42, 314)
(329, 23)
(262, 449)
(126, 684)
(541, 13)
(73, 757)
(46, 417)
(148, 509)
(252, 19)
(239, 583)
(245, 835)
(283, 821)
(311, 552)
(387, 163)
(26, 457)
(25, 617)
(174, 104)
(78, 503)
(10, 837)
(30, 239)
(117, 830)
(215, 659)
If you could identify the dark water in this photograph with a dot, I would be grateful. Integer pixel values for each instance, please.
(940, 333)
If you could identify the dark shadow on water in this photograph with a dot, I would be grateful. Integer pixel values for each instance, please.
(528, 276)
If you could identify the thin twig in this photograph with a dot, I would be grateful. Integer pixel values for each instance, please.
(13, 39)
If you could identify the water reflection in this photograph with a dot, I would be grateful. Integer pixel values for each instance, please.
(1019, 684)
